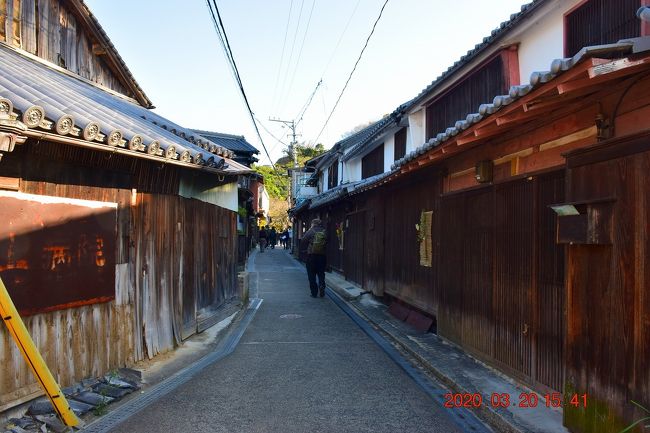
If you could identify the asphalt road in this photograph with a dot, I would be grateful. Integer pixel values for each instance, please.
(301, 366)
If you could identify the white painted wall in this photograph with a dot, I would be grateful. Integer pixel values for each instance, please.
(389, 151)
(541, 39)
(416, 130)
(224, 196)
(352, 170)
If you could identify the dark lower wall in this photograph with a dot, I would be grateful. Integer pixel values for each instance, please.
(608, 307)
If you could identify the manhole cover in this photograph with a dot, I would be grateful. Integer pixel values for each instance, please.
(290, 316)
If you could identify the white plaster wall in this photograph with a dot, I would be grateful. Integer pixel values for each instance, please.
(224, 195)
(352, 170)
(415, 131)
(389, 151)
(541, 40)
(325, 179)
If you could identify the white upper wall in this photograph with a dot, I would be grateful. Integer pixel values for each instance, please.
(389, 151)
(540, 38)
(416, 130)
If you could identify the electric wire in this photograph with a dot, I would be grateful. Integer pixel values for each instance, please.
(352, 72)
(345, 29)
(304, 108)
(284, 44)
(302, 45)
(223, 37)
(293, 46)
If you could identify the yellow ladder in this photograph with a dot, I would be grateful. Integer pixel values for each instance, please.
(21, 336)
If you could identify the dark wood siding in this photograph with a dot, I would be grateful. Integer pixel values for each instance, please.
(354, 252)
(601, 22)
(400, 144)
(404, 277)
(373, 163)
(501, 277)
(478, 88)
(608, 307)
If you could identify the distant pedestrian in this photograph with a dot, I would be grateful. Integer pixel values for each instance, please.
(314, 242)
(285, 239)
(262, 238)
(273, 237)
(290, 238)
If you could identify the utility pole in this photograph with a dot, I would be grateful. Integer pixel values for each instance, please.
(291, 124)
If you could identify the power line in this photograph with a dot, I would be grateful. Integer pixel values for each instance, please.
(302, 45)
(353, 69)
(293, 46)
(304, 109)
(223, 38)
(345, 29)
(284, 44)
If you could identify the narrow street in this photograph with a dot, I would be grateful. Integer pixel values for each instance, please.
(301, 366)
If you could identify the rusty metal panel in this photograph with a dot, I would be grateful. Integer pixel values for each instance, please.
(513, 272)
(56, 253)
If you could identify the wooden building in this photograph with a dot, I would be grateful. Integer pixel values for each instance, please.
(520, 228)
(118, 236)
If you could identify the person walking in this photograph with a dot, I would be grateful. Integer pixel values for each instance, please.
(314, 242)
(285, 239)
(273, 237)
(262, 238)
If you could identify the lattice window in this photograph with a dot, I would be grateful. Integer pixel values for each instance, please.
(373, 163)
(601, 22)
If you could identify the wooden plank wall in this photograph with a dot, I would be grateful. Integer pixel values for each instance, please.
(501, 278)
(402, 205)
(166, 272)
(49, 30)
(608, 307)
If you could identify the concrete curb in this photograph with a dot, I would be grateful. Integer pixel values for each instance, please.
(499, 421)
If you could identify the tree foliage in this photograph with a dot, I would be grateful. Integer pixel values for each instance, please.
(277, 181)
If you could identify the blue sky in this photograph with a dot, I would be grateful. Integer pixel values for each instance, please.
(172, 50)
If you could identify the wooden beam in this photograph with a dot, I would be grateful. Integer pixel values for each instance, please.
(511, 156)
(562, 141)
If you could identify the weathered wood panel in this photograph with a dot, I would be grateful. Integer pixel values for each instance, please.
(501, 277)
(478, 327)
(183, 246)
(513, 260)
(354, 253)
(404, 277)
(608, 310)
(49, 29)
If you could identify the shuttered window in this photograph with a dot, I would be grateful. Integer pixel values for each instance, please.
(478, 88)
(333, 175)
(601, 22)
(400, 144)
(373, 163)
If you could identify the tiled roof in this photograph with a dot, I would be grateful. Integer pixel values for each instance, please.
(42, 101)
(479, 48)
(236, 143)
(557, 67)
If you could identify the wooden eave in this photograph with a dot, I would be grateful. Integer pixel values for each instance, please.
(552, 100)
(105, 48)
